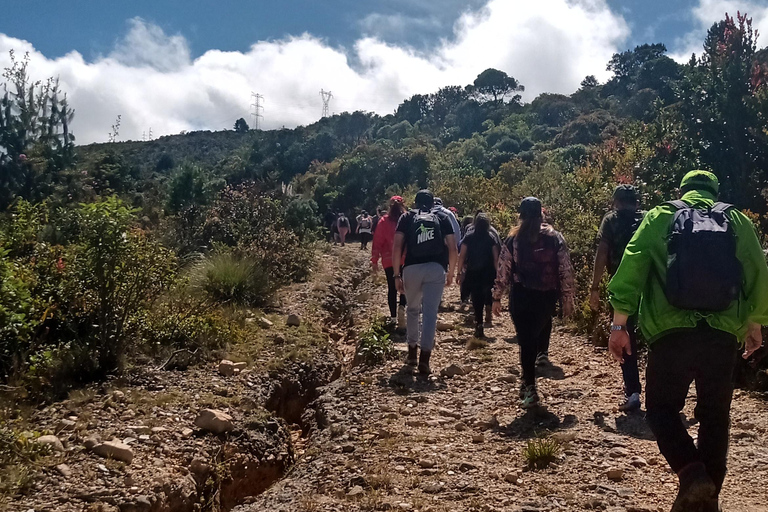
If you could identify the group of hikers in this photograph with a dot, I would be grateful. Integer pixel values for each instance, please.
(690, 275)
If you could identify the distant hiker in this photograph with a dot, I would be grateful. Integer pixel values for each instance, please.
(427, 236)
(536, 267)
(454, 211)
(463, 284)
(365, 229)
(342, 225)
(465, 287)
(451, 218)
(616, 230)
(329, 221)
(377, 218)
(383, 241)
(696, 273)
(481, 254)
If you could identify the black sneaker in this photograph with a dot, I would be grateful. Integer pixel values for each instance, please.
(424, 368)
(413, 354)
(479, 331)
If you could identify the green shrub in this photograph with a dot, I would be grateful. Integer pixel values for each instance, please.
(375, 346)
(540, 453)
(230, 278)
(16, 323)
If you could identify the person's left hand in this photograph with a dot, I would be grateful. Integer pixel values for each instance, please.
(754, 340)
(449, 279)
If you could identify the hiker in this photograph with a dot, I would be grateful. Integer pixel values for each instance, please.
(381, 248)
(481, 254)
(365, 229)
(696, 274)
(463, 284)
(342, 226)
(451, 218)
(536, 267)
(377, 218)
(616, 230)
(329, 220)
(427, 236)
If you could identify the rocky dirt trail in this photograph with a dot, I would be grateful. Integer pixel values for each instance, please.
(193, 435)
(387, 440)
(283, 432)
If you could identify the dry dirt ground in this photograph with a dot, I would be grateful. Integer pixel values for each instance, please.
(393, 441)
(377, 438)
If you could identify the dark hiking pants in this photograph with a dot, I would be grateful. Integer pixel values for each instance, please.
(480, 286)
(532, 312)
(629, 369)
(392, 292)
(708, 357)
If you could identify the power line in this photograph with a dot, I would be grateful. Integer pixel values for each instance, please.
(326, 95)
(257, 108)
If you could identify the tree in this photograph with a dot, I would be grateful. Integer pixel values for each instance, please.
(721, 104)
(35, 141)
(241, 126)
(494, 85)
(589, 82)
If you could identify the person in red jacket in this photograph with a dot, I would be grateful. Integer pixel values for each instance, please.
(383, 240)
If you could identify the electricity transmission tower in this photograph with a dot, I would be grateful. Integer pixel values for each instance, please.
(257, 108)
(326, 95)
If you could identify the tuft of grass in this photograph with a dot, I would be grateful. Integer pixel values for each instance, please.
(540, 453)
(19, 461)
(375, 346)
(230, 278)
(476, 343)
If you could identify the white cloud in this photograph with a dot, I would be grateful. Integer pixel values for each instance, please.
(709, 12)
(151, 80)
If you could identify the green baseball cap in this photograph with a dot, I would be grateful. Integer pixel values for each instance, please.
(700, 180)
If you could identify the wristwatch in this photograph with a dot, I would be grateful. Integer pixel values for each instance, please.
(618, 327)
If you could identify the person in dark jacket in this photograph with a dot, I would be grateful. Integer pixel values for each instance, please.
(480, 253)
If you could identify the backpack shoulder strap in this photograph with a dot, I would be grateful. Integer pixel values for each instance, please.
(678, 204)
(721, 207)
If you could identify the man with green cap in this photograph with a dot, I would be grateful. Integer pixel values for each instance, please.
(692, 335)
(616, 230)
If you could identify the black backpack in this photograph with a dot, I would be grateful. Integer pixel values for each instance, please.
(703, 272)
(425, 239)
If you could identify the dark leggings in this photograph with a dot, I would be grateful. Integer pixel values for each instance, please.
(364, 239)
(392, 292)
(479, 285)
(532, 312)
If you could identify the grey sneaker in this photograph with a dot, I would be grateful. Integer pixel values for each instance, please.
(632, 403)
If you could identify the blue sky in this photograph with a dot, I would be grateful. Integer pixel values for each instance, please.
(91, 27)
(174, 65)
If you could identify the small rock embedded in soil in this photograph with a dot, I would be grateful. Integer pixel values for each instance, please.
(64, 470)
(214, 421)
(265, 323)
(453, 370)
(615, 474)
(227, 368)
(355, 492)
(478, 438)
(52, 441)
(293, 321)
(444, 326)
(114, 450)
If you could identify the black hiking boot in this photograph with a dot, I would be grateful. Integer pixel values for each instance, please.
(697, 490)
(424, 368)
(413, 355)
(479, 331)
